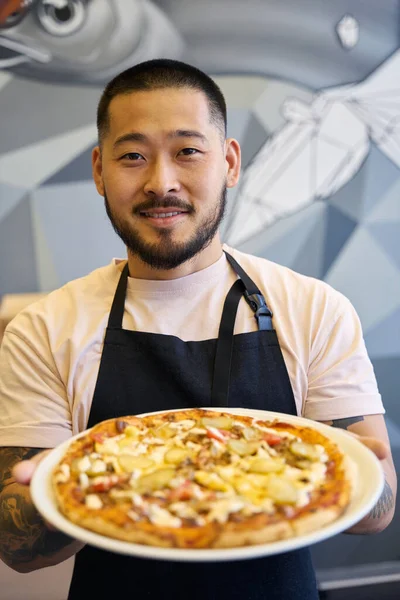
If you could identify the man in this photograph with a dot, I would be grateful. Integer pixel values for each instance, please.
(145, 335)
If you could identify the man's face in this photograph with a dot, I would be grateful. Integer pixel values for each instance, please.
(163, 172)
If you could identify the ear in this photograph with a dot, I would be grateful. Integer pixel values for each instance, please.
(97, 170)
(233, 161)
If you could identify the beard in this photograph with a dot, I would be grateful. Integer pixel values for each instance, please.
(167, 254)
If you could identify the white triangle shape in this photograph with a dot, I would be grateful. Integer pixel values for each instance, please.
(46, 271)
(282, 241)
(32, 165)
(242, 91)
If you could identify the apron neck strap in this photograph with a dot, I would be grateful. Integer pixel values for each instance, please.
(118, 305)
(224, 347)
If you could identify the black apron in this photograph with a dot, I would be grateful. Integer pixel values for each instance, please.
(143, 372)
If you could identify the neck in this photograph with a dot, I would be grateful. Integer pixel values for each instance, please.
(140, 270)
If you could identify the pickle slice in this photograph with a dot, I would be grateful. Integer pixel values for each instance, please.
(165, 432)
(249, 434)
(176, 455)
(242, 447)
(303, 450)
(155, 481)
(217, 422)
(282, 491)
(212, 481)
(129, 463)
(265, 465)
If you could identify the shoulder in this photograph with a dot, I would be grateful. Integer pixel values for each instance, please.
(282, 285)
(64, 307)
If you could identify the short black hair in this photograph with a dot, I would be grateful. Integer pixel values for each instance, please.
(162, 74)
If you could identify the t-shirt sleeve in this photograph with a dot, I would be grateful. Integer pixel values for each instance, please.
(341, 378)
(34, 408)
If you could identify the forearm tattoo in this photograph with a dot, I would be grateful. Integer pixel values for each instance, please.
(385, 503)
(10, 456)
(23, 534)
(345, 423)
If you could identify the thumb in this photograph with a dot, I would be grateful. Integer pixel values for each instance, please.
(24, 470)
(379, 448)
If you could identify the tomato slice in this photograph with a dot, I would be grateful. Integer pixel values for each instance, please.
(107, 484)
(183, 492)
(271, 439)
(217, 434)
(98, 437)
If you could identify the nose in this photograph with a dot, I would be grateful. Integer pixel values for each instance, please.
(161, 179)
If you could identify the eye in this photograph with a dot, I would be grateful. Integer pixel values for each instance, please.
(188, 151)
(132, 156)
(62, 17)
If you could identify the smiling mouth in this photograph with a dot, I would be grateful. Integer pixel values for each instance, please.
(162, 215)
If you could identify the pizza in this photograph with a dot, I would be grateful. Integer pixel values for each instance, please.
(202, 479)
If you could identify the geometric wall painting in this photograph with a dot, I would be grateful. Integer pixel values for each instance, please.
(388, 208)
(254, 137)
(77, 245)
(368, 277)
(79, 169)
(388, 236)
(48, 278)
(381, 176)
(10, 195)
(18, 268)
(387, 371)
(282, 241)
(339, 228)
(384, 339)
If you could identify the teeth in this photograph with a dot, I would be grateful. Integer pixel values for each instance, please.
(161, 215)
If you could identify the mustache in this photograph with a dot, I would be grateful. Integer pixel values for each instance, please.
(165, 202)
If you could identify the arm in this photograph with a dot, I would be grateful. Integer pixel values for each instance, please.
(26, 543)
(373, 432)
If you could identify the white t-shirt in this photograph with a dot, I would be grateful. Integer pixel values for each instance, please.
(50, 354)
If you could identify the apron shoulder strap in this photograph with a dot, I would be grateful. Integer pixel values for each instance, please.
(253, 296)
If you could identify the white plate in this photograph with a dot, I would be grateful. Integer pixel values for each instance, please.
(367, 493)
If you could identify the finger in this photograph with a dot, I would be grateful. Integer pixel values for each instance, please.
(379, 448)
(23, 471)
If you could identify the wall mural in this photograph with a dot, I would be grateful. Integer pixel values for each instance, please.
(313, 92)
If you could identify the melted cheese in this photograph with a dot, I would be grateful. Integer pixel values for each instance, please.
(221, 509)
(63, 474)
(282, 434)
(83, 464)
(162, 517)
(93, 501)
(185, 424)
(83, 481)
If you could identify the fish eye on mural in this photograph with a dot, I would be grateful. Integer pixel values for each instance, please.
(82, 41)
(59, 17)
(62, 17)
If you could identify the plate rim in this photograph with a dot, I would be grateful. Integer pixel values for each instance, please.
(44, 500)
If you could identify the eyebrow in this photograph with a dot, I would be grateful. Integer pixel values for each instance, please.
(140, 137)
